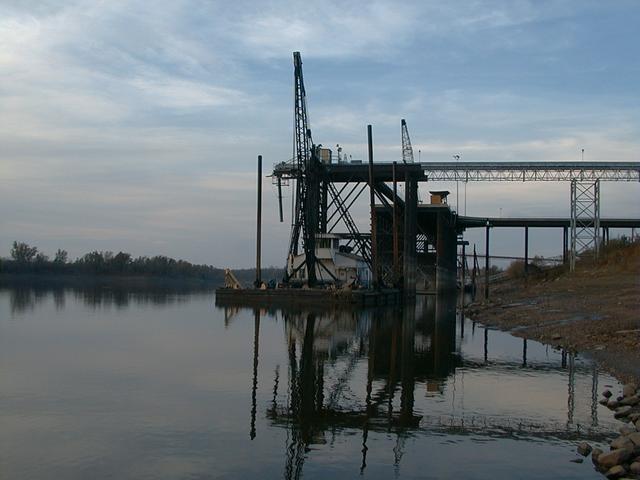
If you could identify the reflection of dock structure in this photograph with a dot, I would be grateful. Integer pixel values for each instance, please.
(362, 372)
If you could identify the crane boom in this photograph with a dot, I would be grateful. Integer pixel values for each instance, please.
(407, 149)
(307, 168)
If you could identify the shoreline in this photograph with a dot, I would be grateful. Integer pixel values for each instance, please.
(594, 311)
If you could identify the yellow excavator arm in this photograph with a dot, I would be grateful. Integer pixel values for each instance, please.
(230, 280)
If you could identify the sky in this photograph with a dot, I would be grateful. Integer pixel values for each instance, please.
(135, 126)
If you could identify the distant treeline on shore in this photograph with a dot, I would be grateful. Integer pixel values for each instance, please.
(28, 260)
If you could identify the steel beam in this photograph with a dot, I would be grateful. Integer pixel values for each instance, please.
(372, 198)
(410, 229)
(481, 171)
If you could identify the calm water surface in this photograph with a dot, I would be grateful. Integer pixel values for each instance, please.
(102, 384)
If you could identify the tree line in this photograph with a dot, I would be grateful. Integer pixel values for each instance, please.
(28, 259)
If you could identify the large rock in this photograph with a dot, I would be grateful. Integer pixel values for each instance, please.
(622, 442)
(614, 457)
(622, 411)
(584, 449)
(635, 438)
(595, 455)
(632, 400)
(635, 468)
(611, 403)
(627, 430)
(615, 472)
(629, 389)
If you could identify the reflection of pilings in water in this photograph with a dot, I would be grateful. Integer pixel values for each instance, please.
(301, 393)
(594, 396)
(398, 449)
(407, 378)
(256, 341)
(392, 369)
(276, 382)
(319, 386)
(486, 344)
(398, 452)
(508, 427)
(229, 314)
(292, 434)
(572, 389)
(524, 352)
(444, 333)
(293, 373)
(370, 367)
(342, 380)
(307, 370)
(304, 407)
(407, 361)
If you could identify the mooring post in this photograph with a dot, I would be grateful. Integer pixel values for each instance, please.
(395, 223)
(486, 262)
(259, 225)
(374, 227)
(526, 251)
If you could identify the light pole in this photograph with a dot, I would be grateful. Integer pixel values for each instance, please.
(457, 157)
(465, 197)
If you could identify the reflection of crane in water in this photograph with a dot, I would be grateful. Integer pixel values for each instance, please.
(307, 416)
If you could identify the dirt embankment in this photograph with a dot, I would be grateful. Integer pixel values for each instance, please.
(595, 310)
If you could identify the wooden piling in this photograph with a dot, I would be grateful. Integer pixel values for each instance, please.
(259, 226)
(526, 251)
(396, 258)
(486, 262)
(374, 226)
(410, 228)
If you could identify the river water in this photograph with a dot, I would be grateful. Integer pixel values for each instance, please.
(153, 384)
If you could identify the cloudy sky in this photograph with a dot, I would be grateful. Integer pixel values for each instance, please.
(130, 125)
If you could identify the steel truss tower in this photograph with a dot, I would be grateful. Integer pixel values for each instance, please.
(585, 219)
